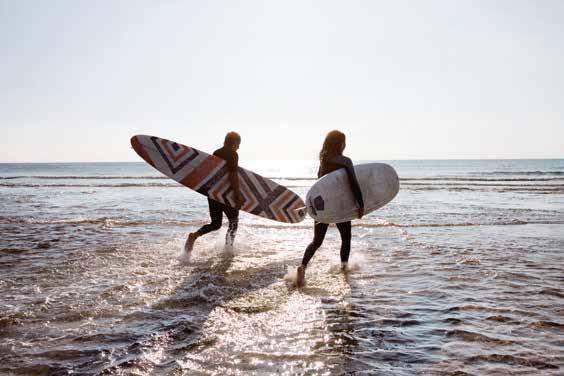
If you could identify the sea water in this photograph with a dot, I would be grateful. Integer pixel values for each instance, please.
(462, 272)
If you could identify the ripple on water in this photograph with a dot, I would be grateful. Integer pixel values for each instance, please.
(532, 361)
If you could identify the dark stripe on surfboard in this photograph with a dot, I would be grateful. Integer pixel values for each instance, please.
(259, 207)
(273, 195)
(262, 183)
(285, 209)
(173, 169)
(213, 180)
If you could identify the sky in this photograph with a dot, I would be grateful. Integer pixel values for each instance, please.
(402, 79)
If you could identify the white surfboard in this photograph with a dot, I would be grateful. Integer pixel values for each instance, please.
(330, 199)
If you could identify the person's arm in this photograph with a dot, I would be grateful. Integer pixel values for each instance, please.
(234, 180)
(353, 182)
(233, 166)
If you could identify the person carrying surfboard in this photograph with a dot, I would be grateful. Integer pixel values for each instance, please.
(331, 158)
(229, 153)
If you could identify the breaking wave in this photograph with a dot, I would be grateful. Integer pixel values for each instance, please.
(105, 221)
(81, 177)
(119, 185)
(554, 172)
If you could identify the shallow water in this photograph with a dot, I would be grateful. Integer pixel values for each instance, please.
(462, 272)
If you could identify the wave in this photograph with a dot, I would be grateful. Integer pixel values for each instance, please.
(527, 172)
(513, 222)
(81, 177)
(470, 336)
(109, 222)
(123, 185)
(507, 359)
(498, 188)
(484, 185)
(515, 189)
(290, 178)
(125, 177)
(461, 178)
(439, 178)
(530, 188)
(113, 222)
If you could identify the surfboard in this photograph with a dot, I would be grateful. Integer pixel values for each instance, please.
(208, 175)
(330, 199)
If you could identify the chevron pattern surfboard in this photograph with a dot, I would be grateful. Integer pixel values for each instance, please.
(208, 175)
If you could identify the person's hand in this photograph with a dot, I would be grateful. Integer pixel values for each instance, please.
(360, 212)
(239, 201)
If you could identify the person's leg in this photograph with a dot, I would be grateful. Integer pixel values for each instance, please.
(216, 216)
(319, 231)
(345, 231)
(232, 215)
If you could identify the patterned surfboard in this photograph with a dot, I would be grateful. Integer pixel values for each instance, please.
(208, 175)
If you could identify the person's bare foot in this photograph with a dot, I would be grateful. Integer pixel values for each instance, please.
(300, 280)
(190, 242)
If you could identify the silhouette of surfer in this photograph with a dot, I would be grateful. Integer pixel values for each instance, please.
(331, 158)
(229, 153)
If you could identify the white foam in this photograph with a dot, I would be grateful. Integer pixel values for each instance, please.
(211, 245)
(229, 250)
(355, 264)
(291, 277)
(184, 258)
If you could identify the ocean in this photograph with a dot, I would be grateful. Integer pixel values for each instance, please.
(462, 273)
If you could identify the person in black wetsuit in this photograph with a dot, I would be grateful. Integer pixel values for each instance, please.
(229, 153)
(331, 158)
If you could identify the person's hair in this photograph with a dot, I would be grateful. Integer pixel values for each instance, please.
(232, 139)
(332, 145)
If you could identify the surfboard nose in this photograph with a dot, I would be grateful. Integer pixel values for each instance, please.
(135, 144)
(140, 150)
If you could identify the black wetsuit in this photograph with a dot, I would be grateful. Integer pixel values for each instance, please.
(217, 208)
(320, 229)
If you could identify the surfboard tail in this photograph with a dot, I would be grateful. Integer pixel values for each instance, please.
(301, 212)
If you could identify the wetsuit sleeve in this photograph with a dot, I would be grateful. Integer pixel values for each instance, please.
(355, 187)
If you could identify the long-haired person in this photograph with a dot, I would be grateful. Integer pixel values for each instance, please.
(331, 158)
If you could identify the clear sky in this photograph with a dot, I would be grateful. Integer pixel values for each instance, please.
(403, 79)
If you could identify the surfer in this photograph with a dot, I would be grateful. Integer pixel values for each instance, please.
(229, 153)
(331, 158)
